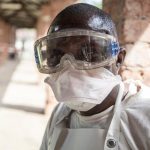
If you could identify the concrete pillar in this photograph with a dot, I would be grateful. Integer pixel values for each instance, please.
(48, 13)
(7, 38)
(133, 26)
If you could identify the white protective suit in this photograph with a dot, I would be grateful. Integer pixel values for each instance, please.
(126, 128)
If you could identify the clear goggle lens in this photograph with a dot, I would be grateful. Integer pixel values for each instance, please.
(84, 49)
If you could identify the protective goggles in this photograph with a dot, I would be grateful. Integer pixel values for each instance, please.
(84, 49)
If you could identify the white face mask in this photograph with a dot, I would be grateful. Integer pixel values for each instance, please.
(82, 89)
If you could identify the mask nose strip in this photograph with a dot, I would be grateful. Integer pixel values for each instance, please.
(66, 63)
(66, 60)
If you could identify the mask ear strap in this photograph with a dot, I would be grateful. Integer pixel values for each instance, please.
(118, 65)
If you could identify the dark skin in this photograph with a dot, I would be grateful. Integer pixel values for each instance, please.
(81, 16)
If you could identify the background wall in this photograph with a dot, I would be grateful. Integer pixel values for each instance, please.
(7, 39)
(133, 24)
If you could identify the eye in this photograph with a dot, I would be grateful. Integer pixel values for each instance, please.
(86, 51)
(54, 57)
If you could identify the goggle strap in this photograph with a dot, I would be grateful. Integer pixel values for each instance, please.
(115, 48)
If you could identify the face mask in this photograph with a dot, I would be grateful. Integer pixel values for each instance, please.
(82, 89)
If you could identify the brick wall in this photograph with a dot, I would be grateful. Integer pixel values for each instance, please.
(133, 25)
(48, 13)
(7, 38)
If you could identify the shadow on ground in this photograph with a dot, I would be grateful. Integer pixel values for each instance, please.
(24, 108)
(6, 71)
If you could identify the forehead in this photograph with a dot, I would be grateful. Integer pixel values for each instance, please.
(94, 25)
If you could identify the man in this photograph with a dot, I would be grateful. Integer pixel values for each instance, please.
(81, 54)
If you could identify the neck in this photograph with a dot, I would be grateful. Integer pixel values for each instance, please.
(108, 102)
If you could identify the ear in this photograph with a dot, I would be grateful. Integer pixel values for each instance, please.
(121, 56)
